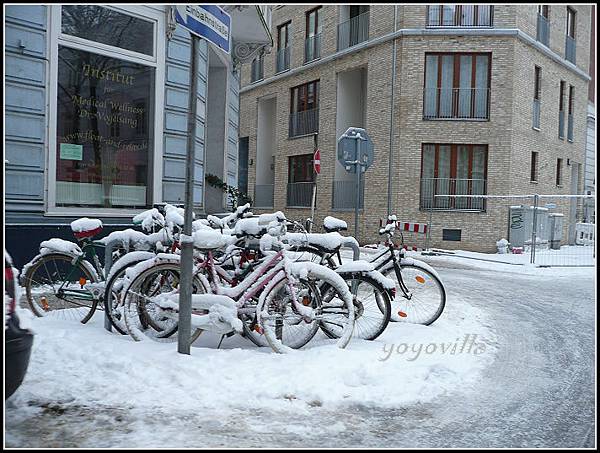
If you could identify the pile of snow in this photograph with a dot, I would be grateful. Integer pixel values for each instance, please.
(407, 364)
(329, 241)
(332, 223)
(59, 245)
(85, 224)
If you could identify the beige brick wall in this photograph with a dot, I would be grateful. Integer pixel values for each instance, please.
(527, 22)
(508, 133)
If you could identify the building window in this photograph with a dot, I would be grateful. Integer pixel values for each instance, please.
(460, 15)
(559, 163)
(457, 86)
(448, 169)
(534, 166)
(312, 43)
(257, 69)
(561, 110)
(537, 97)
(107, 26)
(570, 113)
(570, 43)
(104, 111)
(301, 178)
(304, 109)
(283, 47)
(543, 24)
(354, 27)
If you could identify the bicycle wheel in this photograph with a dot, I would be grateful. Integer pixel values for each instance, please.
(142, 315)
(421, 297)
(282, 324)
(372, 308)
(54, 288)
(113, 293)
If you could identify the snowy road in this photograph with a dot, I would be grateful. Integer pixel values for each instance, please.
(537, 392)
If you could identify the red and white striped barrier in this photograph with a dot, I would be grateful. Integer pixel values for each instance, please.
(413, 227)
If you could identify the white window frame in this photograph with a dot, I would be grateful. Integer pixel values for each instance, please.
(56, 38)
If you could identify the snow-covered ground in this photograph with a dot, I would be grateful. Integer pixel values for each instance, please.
(509, 363)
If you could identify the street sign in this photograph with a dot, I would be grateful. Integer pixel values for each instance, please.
(347, 149)
(206, 21)
(317, 161)
(356, 154)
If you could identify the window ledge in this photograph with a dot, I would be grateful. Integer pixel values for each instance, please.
(302, 136)
(467, 120)
(536, 129)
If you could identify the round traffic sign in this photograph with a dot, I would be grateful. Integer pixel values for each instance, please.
(317, 161)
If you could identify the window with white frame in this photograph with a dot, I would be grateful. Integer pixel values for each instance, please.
(104, 135)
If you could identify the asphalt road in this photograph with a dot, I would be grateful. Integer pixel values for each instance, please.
(539, 391)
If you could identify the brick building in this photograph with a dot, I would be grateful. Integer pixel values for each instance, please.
(470, 99)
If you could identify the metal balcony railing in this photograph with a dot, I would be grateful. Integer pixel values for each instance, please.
(460, 16)
(456, 103)
(536, 113)
(344, 194)
(570, 47)
(312, 48)
(561, 124)
(304, 123)
(430, 187)
(263, 195)
(257, 70)
(543, 30)
(353, 31)
(570, 127)
(299, 194)
(283, 59)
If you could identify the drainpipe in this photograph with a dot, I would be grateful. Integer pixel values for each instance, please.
(394, 47)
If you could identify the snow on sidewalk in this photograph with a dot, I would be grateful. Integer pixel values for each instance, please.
(83, 365)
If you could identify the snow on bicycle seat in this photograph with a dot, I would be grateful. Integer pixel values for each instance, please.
(329, 242)
(86, 228)
(209, 239)
(250, 227)
(331, 224)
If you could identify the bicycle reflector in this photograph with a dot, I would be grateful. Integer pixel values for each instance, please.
(44, 302)
(258, 329)
(420, 279)
(306, 301)
(402, 314)
(82, 281)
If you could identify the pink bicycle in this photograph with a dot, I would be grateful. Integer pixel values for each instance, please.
(277, 303)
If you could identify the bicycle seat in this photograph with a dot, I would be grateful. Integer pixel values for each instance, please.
(86, 228)
(209, 239)
(332, 224)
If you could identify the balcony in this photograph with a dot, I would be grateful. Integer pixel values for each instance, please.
(257, 71)
(570, 127)
(536, 113)
(561, 124)
(353, 31)
(456, 103)
(430, 187)
(543, 30)
(344, 194)
(263, 195)
(471, 16)
(570, 46)
(304, 123)
(299, 194)
(283, 59)
(312, 48)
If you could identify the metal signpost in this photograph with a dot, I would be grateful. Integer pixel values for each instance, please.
(317, 169)
(356, 154)
(213, 24)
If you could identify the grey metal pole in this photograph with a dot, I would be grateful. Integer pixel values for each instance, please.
(187, 247)
(392, 130)
(358, 167)
(534, 229)
(314, 191)
(108, 261)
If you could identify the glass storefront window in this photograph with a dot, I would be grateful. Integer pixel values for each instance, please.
(109, 27)
(104, 133)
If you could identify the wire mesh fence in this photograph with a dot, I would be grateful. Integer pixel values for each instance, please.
(545, 230)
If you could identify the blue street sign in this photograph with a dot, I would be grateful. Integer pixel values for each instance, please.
(347, 148)
(206, 21)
